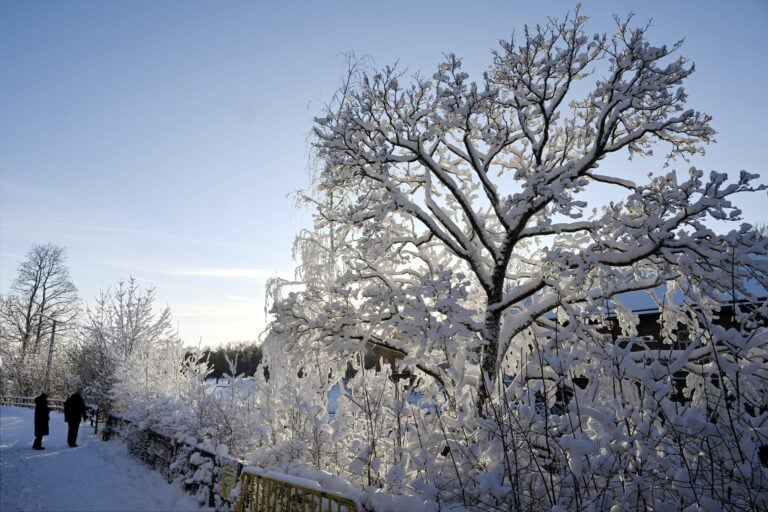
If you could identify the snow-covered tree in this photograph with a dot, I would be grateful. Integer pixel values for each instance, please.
(43, 290)
(480, 197)
(123, 331)
(463, 228)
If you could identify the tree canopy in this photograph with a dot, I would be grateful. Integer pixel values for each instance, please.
(489, 236)
(461, 216)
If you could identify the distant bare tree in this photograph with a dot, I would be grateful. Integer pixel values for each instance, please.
(43, 288)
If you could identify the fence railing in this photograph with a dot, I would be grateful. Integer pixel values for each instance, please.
(24, 401)
(231, 484)
(267, 491)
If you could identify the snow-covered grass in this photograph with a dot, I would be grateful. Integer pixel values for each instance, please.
(97, 475)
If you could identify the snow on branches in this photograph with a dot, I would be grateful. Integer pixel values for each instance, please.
(461, 230)
(474, 175)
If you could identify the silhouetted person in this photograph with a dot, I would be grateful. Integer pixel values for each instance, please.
(41, 420)
(74, 409)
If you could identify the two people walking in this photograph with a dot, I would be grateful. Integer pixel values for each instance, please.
(74, 410)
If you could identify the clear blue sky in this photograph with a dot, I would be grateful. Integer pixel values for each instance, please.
(161, 139)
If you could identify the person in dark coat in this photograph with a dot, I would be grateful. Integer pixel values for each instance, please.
(41, 420)
(74, 409)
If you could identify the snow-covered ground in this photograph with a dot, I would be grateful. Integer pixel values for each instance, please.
(95, 476)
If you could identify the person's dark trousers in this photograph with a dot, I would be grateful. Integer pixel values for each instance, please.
(38, 444)
(73, 427)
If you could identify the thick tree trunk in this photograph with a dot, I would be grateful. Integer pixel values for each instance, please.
(490, 355)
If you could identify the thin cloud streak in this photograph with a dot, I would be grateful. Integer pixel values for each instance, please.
(240, 273)
(242, 298)
(253, 311)
(25, 222)
(13, 256)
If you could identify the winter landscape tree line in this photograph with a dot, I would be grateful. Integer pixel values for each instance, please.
(459, 232)
(121, 323)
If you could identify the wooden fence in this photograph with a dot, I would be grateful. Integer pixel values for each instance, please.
(23, 401)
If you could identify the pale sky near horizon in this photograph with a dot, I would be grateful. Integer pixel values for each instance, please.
(161, 139)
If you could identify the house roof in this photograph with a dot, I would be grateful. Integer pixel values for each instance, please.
(647, 301)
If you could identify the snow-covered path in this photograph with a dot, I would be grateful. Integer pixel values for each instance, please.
(95, 476)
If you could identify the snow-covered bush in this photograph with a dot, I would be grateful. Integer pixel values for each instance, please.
(291, 407)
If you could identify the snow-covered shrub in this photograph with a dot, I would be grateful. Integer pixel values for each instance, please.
(291, 408)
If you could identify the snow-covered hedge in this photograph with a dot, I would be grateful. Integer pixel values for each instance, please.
(619, 439)
(197, 468)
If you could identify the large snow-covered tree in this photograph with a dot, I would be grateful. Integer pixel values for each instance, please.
(476, 206)
(492, 238)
